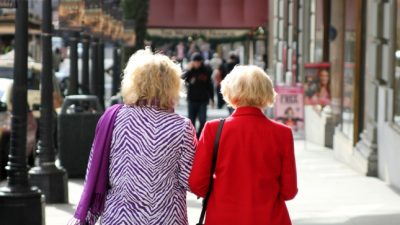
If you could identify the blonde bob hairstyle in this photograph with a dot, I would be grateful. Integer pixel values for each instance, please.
(248, 86)
(149, 76)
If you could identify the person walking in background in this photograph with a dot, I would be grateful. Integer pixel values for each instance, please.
(232, 62)
(215, 61)
(219, 72)
(57, 59)
(255, 171)
(218, 75)
(142, 152)
(199, 90)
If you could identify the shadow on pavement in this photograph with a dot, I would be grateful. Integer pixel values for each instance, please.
(193, 203)
(386, 219)
(68, 208)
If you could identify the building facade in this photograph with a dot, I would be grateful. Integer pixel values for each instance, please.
(360, 41)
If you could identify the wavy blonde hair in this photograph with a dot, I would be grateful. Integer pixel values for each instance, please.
(151, 76)
(248, 86)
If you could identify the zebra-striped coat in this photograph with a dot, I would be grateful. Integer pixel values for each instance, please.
(150, 161)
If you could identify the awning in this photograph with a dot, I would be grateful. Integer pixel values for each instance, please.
(9, 29)
(208, 14)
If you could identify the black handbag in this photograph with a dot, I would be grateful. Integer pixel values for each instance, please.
(214, 161)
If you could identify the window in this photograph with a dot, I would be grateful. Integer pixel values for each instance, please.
(396, 96)
(348, 70)
(319, 31)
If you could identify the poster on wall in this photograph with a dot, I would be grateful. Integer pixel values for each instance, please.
(289, 108)
(70, 14)
(317, 84)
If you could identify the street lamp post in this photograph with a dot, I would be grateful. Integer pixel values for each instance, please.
(51, 180)
(19, 202)
(73, 54)
(85, 63)
(101, 73)
(116, 81)
(95, 67)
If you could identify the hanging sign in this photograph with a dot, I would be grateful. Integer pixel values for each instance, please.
(70, 14)
(93, 14)
(8, 4)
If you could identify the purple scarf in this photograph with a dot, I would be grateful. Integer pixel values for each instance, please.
(95, 189)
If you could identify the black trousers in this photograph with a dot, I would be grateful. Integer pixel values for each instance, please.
(198, 110)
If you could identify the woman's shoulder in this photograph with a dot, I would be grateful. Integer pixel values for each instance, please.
(214, 122)
(280, 127)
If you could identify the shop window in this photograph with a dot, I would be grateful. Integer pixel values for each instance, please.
(319, 31)
(348, 71)
(396, 96)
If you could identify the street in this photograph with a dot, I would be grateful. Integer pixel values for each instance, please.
(329, 193)
(334, 67)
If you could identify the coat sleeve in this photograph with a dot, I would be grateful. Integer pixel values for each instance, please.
(200, 176)
(186, 76)
(189, 144)
(210, 85)
(288, 171)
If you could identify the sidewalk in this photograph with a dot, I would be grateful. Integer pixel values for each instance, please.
(330, 193)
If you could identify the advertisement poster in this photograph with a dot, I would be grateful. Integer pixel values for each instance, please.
(289, 108)
(317, 84)
(70, 13)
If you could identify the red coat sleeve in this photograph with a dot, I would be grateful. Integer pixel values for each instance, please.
(288, 171)
(199, 178)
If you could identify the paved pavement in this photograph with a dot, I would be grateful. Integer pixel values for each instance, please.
(330, 193)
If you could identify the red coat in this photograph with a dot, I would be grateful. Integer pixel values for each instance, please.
(255, 172)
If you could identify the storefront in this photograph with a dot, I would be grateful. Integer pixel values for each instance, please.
(361, 122)
(388, 92)
(346, 140)
(367, 134)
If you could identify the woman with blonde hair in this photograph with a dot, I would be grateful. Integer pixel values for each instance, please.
(252, 163)
(142, 152)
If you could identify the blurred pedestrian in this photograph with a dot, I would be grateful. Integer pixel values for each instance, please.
(57, 59)
(142, 152)
(255, 171)
(219, 72)
(199, 90)
(180, 52)
(218, 75)
(215, 61)
(232, 62)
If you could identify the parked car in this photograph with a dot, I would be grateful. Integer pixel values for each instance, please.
(6, 86)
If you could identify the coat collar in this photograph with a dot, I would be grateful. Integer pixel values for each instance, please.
(248, 110)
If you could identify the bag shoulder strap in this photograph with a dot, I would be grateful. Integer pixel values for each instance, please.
(214, 162)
